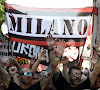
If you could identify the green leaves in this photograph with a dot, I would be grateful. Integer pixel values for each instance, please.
(2, 12)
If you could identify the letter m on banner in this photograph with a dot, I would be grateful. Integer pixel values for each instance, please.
(29, 26)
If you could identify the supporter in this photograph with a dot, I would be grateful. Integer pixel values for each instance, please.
(74, 74)
(65, 70)
(35, 78)
(26, 75)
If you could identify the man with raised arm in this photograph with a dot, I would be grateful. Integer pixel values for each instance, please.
(73, 81)
(25, 74)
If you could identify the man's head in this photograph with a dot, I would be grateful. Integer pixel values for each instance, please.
(75, 76)
(25, 76)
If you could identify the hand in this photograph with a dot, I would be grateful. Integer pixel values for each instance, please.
(42, 56)
(93, 59)
(12, 61)
(60, 49)
(98, 48)
(64, 60)
(13, 70)
(50, 41)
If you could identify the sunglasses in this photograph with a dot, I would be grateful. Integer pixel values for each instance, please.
(76, 74)
(27, 74)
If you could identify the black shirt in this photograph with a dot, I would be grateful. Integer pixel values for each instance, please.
(62, 84)
(14, 86)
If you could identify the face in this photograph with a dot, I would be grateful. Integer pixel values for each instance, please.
(26, 76)
(35, 78)
(75, 77)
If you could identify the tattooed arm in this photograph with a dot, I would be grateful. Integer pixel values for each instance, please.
(50, 70)
(51, 50)
(4, 75)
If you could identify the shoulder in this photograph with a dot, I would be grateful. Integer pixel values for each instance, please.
(36, 86)
(13, 86)
(85, 84)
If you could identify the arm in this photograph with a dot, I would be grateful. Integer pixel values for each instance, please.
(13, 73)
(41, 58)
(16, 79)
(50, 43)
(4, 75)
(50, 70)
(94, 74)
(51, 52)
(14, 63)
(65, 72)
(32, 61)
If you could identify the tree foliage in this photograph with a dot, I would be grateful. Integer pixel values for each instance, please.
(2, 13)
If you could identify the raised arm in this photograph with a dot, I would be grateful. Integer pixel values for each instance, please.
(50, 70)
(50, 43)
(13, 72)
(94, 74)
(14, 62)
(4, 75)
(41, 58)
(32, 61)
(51, 52)
(65, 72)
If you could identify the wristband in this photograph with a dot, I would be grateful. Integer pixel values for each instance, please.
(51, 49)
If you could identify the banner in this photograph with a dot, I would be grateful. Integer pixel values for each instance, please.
(4, 52)
(29, 26)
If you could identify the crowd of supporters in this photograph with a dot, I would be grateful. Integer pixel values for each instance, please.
(73, 78)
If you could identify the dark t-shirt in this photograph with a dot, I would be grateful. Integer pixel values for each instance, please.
(62, 84)
(14, 86)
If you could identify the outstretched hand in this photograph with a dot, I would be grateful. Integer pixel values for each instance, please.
(42, 56)
(13, 70)
(60, 49)
(50, 41)
(12, 61)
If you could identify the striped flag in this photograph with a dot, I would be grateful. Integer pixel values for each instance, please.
(29, 26)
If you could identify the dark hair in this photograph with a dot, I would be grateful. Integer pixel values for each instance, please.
(73, 67)
(20, 71)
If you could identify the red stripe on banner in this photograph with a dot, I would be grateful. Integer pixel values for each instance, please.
(14, 7)
(95, 10)
(43, 43)
(1, 42)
